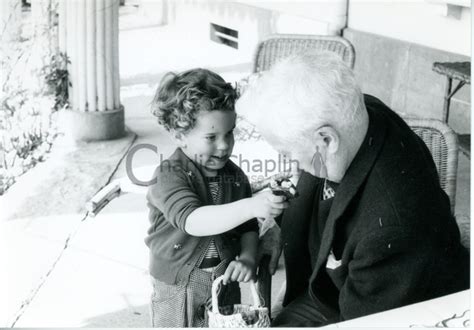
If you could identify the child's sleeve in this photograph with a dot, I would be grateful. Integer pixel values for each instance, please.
(251, 225)
(173, 195)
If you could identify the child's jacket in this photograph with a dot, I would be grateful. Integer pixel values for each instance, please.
(179, 190)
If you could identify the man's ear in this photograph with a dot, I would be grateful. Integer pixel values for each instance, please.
(327, 139)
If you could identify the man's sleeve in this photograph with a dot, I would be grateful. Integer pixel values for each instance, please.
(173, 196)
(391, 268)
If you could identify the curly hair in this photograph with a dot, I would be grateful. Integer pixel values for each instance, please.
(180, 97)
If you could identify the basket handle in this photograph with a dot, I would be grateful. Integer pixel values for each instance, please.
(215, 291)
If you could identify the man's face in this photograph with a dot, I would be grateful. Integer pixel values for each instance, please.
(300, 152)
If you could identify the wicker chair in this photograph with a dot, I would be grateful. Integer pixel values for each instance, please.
(279, 46)
(443, 145)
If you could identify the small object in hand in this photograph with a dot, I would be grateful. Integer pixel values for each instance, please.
(284, 187)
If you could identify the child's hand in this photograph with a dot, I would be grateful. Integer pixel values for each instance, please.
(265, 183)
(240, 270)
(267, 205)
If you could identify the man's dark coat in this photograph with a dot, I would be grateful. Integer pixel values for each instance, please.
(390, 218)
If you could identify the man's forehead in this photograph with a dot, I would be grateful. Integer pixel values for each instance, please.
(276, 142)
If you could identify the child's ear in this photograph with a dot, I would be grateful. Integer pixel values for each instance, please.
(179, 138)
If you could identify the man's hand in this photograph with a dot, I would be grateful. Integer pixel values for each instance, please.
(270, 244)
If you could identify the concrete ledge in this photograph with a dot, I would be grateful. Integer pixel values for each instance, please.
(94, 126)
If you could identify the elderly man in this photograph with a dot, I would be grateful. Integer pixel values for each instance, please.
(372, 229)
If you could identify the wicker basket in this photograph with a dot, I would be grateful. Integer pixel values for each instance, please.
(243, 316)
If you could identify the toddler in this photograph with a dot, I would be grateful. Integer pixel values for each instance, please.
(202, 213)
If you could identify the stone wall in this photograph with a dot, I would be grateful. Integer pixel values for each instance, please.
(400, 74)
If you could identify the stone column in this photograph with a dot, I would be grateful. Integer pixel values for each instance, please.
(10, 20)
(10, 30)
(88, 35)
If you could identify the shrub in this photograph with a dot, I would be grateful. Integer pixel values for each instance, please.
(33, 87)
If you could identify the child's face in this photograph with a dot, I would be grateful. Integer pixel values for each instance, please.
(211, 141)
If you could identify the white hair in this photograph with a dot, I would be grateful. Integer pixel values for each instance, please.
(302, 92)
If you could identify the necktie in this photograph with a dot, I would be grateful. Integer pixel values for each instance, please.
(328, 192)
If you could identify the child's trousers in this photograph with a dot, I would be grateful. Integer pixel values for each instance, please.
(184, 305)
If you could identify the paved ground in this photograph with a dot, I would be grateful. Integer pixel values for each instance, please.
(42, 211)
(69, 269)
(72, 270)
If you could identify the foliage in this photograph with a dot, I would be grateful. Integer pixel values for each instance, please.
(57, 79)
(245, 130)
(34, 85)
